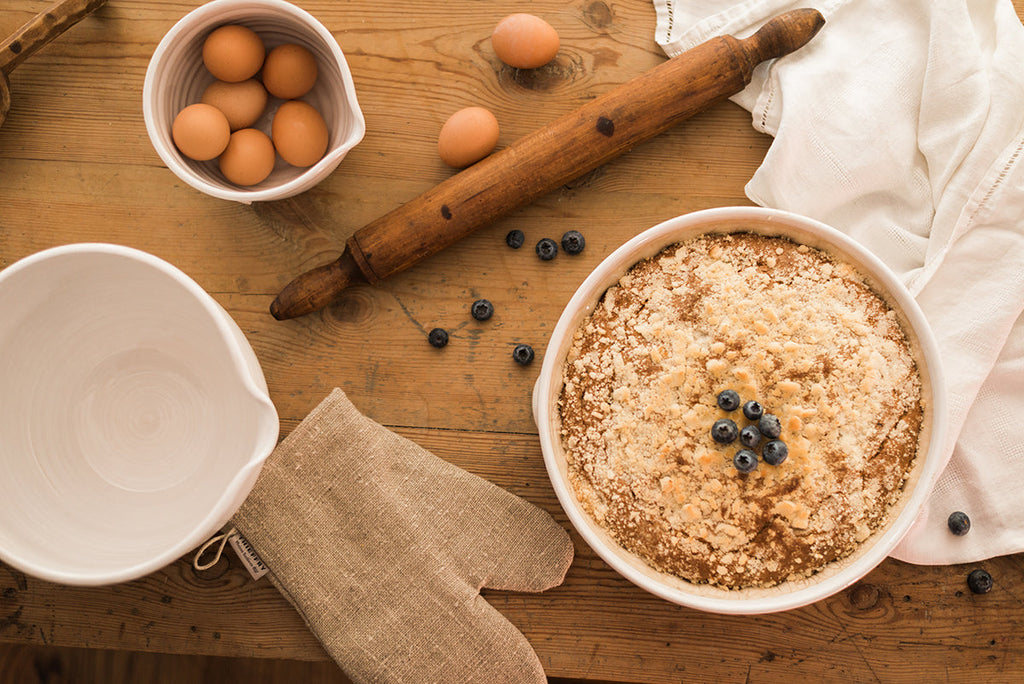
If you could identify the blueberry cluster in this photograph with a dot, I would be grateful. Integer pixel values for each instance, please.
(762, 425)
(547, 249)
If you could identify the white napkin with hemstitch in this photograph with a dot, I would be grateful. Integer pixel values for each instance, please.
(902, 125)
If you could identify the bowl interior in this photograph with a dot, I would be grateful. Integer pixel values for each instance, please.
(126, 416)
(835, 576)
(177, 78)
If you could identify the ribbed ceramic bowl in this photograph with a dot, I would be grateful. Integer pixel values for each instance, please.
(834, 577)
(177, 78)
(134, 417)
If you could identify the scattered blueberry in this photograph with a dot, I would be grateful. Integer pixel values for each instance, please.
(750, 436)
(753, 410)
(523, 354)
(724, 431)
(728, 400)
(547, 249)
(774, 452)
(482, 309)
(769, 426)
(438, 337)
(573, 242)
(745, 460)
(979, 581)
(958, 522)
(515, 239)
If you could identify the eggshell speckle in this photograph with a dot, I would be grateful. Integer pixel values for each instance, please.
(467, 136)
(233, 53)
(289, 71)
(242, 103)
(299, 133)
(200, 131)
(524, 41)
(249, 157)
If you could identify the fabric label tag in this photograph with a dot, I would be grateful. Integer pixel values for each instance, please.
(250, 559)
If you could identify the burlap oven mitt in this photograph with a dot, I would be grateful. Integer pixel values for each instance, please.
(383, 548)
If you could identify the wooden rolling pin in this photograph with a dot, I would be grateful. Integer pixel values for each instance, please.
(37, 32)
(547, 158)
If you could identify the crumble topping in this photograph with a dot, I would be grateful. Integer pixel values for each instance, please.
(780, 323)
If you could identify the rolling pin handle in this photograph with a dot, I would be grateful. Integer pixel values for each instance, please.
(316, 289)
(782, 35)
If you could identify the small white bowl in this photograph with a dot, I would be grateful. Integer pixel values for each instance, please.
(837, 575)
(177, 78)
(134, 417)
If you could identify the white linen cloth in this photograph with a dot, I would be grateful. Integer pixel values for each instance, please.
(902, 125)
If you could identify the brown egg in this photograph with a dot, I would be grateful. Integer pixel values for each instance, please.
(467, 136)
(524, 41)
(289, 71)
(233, 53)
(200, 131)
(242, 102)
(249, 157)
(299, 133)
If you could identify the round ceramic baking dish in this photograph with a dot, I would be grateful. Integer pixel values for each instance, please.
(833, 577)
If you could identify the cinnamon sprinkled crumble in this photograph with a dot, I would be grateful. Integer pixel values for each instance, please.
(780, 323)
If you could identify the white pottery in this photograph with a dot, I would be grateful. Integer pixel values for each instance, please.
(177, 78)
(838, 575)
(134, 417)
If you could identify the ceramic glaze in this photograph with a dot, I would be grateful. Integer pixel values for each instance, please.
(176, 78)
(134, 416)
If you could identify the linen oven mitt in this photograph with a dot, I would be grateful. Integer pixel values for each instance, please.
(383, 548)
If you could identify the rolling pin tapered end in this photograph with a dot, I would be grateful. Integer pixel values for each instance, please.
(784, 34)
(316, 289)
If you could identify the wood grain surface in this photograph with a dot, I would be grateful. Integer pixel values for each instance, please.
(76, 165)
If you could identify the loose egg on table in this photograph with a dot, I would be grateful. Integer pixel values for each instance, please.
(467, 136)
(524, 41)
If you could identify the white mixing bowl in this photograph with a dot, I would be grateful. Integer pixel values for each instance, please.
(134, 417)
(837, 575)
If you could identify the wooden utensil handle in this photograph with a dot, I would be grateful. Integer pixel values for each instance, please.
(547, 158)
(41, 29)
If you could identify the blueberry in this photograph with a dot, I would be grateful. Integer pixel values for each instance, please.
(745, 460)
(750, 436)
(979, 581)
(573, 242)
(547, 249)
(769, 426)
(958, 522)
(724, 431)
(728, 400)
(523, 354)
(753, 410)
(482, 309)
(515, 239)
(438, 337)
(774, 452)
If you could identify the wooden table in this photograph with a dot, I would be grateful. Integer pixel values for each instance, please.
(76, 165)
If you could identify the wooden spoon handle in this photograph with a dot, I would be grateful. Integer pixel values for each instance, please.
(547, 158)
(41, 29)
